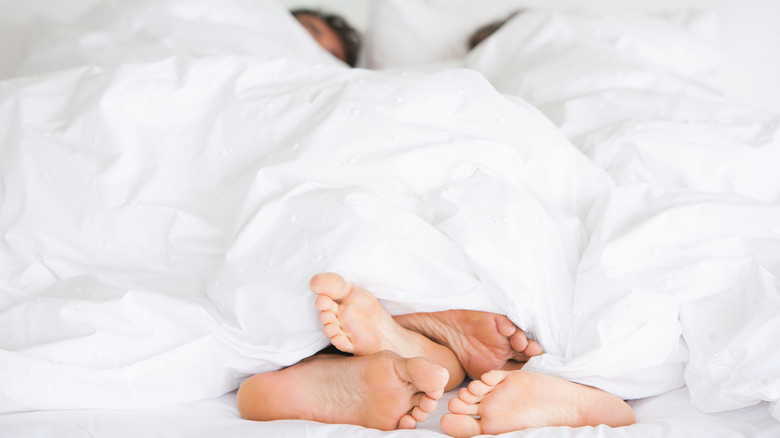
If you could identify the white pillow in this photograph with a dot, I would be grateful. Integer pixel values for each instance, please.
(407, 33)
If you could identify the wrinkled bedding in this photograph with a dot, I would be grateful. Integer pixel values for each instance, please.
(166, 198)
(637, 94)
(691, 247)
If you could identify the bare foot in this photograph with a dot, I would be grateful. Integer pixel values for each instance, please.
(381, 391)
(507, 401)
(482, 341)
(355, 322)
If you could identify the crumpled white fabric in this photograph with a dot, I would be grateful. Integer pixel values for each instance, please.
(670, 279)
(161, 220)
(638, 95)
(662, 268)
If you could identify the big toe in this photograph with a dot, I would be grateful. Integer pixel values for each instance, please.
(426, 376)
(460, 426)
(331, 285)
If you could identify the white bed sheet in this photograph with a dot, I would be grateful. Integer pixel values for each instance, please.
(155, 261)
(669, 415)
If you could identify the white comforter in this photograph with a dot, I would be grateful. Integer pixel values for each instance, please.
(679, 281)
(166, 200)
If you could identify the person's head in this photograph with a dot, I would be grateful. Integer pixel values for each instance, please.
(332, 32)
(485, 31)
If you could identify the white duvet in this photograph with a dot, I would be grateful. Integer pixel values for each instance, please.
(680, 274)
(166, 199)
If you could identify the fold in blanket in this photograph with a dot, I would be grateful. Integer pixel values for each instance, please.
(161, 220)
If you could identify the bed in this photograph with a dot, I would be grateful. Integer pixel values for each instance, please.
(174, 172)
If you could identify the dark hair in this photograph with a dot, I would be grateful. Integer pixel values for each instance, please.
(485, 31)
(347, 34)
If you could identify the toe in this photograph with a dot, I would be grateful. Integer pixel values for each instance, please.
(326, 304)
(518, 341)
(332, 330)
(330, 284)
(435, 395)
(468, 397)
(419, 415)
(427, 404)
(427, 377)
(328, 318)
(506, 327)
(492, 378)
(458, 406)
(533, 349)
(460, 426)
(478, 387)
(320, 282)
(407, 422)
(343, 343)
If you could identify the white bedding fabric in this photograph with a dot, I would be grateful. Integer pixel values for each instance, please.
(410, 33)
(630, 92)
(669, 415)
(171, 179)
